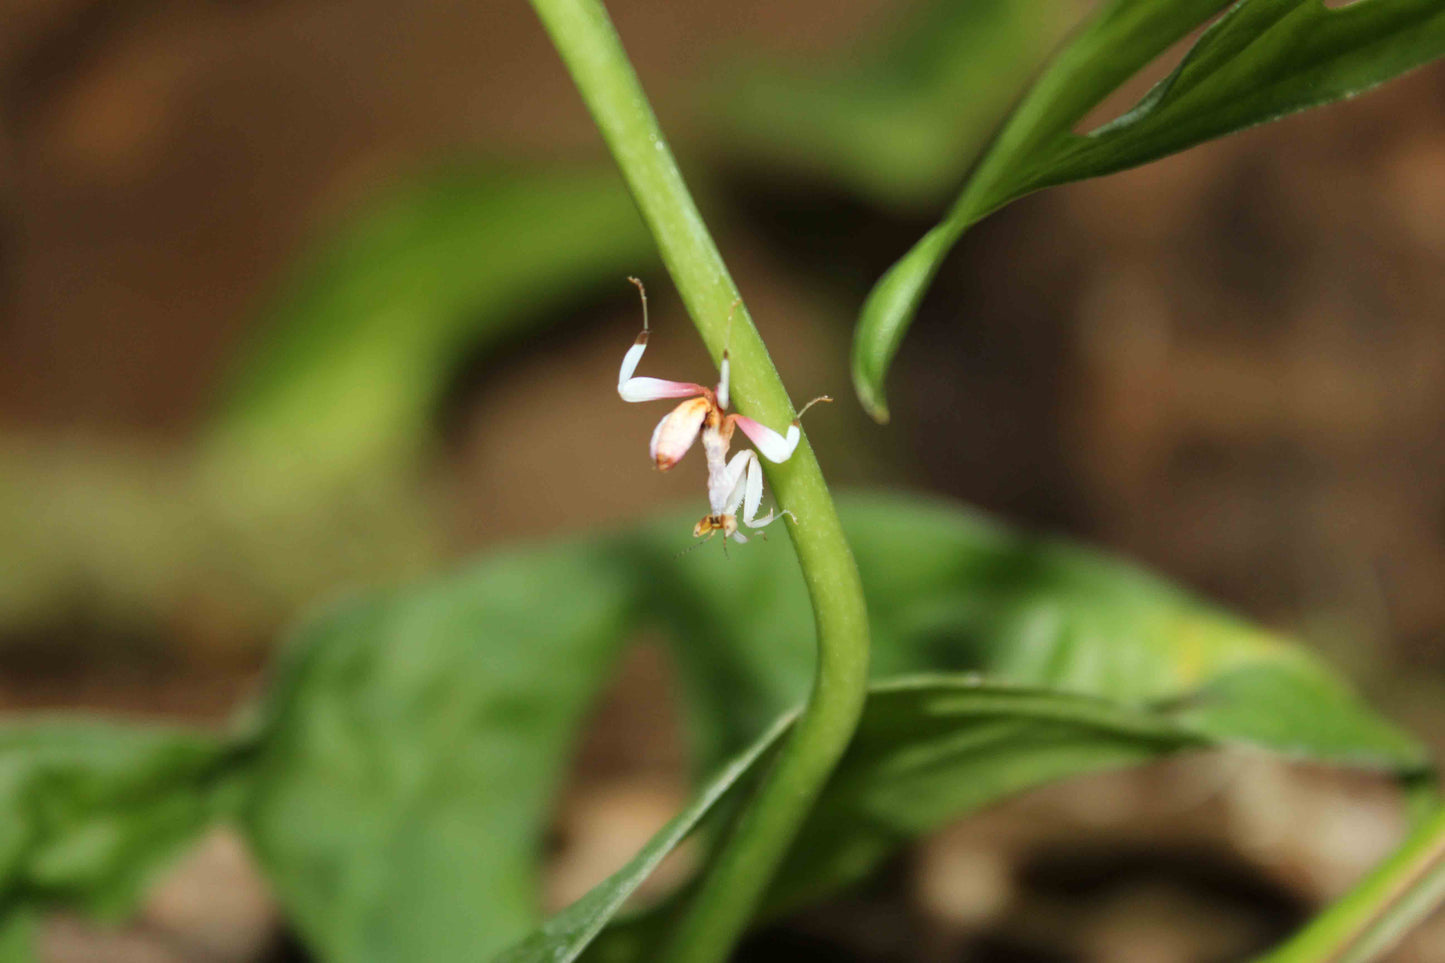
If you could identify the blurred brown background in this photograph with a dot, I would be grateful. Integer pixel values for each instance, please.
(1229, 365)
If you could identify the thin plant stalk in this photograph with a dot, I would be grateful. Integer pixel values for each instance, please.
(1372, 917)
(738, 877)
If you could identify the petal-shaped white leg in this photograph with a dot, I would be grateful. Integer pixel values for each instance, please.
(648, 389)
(655, 389)
(774, 447)
(676, 432)
(725, 485)
(753, 495)
(743, 483)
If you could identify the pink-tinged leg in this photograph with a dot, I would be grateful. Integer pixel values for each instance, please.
(655, 389)
(648, 389)
(676, 432)
(775, 448)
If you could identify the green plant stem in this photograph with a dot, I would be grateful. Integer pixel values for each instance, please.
(735, 883)
(1381, 909)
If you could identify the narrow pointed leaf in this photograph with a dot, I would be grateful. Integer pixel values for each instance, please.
(564, 936)
(1261, 60)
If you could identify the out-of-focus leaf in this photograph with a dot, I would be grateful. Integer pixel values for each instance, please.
(568, 933)
(355, 355)
(411, 747)
(1065, 662)
(932, 749)
(396, 781)
(950, 590)
(134, 540)
(928, 750)
(901, 122)
(307, 479)
(90, 810)
(17, 938)
(412, 739)
(1259, 61)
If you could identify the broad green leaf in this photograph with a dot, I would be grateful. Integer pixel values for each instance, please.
(932, 749)
(410, 749)
(950, 590)
(903, 120)
(412, 739)
(928, 750)
(1261, 60)
(1066, 662)
(90, 810)
(357, 351)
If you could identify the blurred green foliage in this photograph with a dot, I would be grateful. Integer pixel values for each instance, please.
(413, 743)
(309, 476)
(397, 778)
(1261, 60)
(1002, 661)
(899, 122)
(346, 373)
(92, 809)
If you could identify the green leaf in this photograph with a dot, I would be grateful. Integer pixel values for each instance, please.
(412, 740)
(928, 750)
(951, 590)
(902, 121)
(1062, 661)
(90, 810)
(932, 749)
(411, 746)
(356, 353)
(1261, 60)
(567, 934)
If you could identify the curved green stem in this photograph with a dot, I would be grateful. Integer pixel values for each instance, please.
(1381, 909)
(737, 879)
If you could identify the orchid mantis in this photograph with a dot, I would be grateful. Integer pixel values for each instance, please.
(732, 484)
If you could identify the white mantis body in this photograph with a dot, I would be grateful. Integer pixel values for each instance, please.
(732, 484)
